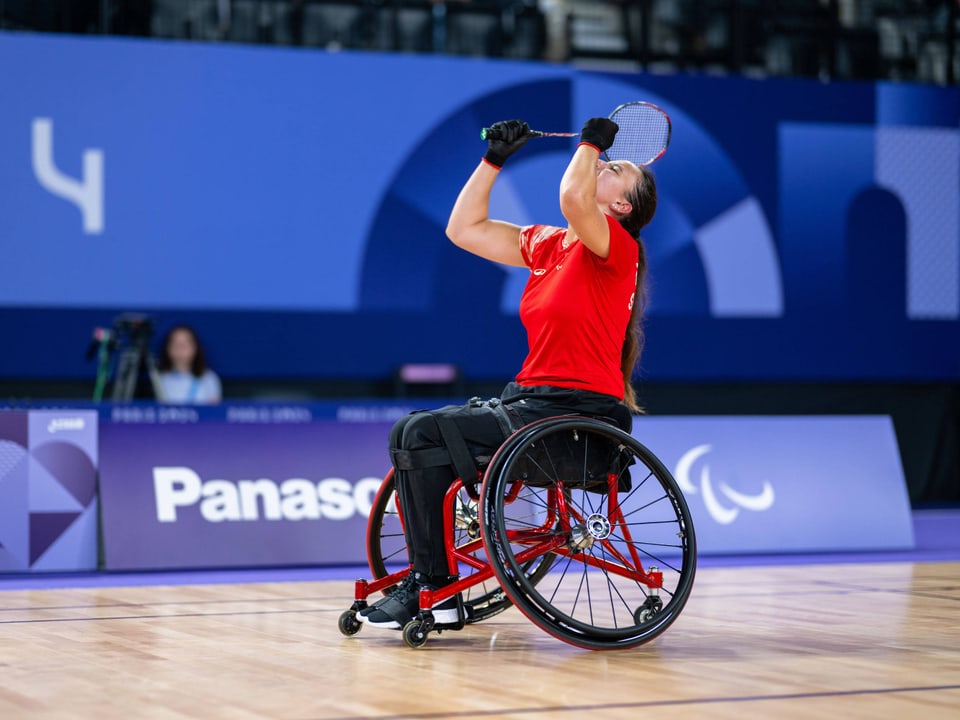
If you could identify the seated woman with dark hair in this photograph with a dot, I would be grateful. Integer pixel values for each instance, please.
(184, 375)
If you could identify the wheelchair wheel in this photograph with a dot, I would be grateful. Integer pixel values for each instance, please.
(385, 541)
(609, 512)
(386, 546)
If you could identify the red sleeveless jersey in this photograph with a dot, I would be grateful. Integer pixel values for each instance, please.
(576, 308)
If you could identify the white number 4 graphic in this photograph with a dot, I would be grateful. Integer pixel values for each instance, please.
(87, 193)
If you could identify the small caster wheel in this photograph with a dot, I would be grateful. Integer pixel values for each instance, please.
(414, 635)
(645, 612)
(348, 623)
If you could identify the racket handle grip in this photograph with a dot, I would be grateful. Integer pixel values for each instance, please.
(489, 134)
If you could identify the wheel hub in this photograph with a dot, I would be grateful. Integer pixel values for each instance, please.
(580, 538)
(598, 526)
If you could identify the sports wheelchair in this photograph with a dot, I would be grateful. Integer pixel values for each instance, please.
(573, 521)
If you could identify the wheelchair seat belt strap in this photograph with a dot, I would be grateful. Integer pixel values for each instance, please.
(417, 459)
(507, 417)
(460, 456)
(455, 451)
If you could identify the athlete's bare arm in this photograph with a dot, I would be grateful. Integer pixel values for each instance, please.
(471, 228)
(578, 201)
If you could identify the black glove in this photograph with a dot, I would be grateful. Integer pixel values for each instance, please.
(504, 138)
(599, 132)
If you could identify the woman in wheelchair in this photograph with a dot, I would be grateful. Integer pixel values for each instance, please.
(581, 308)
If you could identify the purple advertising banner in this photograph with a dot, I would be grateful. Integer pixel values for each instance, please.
(221, 494)
(218, 494)
(48, 490)
(786, 484)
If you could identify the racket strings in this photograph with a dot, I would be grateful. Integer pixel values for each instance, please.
(643, 135)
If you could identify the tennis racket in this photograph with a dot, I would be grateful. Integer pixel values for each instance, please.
(643, 137)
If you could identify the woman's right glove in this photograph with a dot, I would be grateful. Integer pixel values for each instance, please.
(504, 138)
(599, 132)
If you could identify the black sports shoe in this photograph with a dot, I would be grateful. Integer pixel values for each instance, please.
(406, 592)
(403, 604)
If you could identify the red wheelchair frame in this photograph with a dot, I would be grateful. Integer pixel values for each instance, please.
(565, 532)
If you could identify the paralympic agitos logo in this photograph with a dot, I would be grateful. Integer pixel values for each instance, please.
(722, 501)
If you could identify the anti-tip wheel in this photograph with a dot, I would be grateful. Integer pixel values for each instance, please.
(414, 635)
(348, 623)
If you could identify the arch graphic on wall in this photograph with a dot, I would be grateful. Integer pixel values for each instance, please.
(711, 249)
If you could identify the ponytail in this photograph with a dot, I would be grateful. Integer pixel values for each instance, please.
(643, 201)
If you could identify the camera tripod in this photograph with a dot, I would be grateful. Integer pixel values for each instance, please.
(128, 372)
(130, 338)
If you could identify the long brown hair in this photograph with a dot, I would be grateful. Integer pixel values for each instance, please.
(643, 200)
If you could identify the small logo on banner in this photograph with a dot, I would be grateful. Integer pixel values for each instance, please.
(723, 512)
(60, 424)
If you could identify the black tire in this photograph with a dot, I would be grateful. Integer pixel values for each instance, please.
(413, 634)
(386, 547)
(385, 540)
(597, 594)
(348, 623)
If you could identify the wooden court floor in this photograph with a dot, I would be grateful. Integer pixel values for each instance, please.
(819, 641)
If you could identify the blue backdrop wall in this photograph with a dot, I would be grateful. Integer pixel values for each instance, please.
(291, 205)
